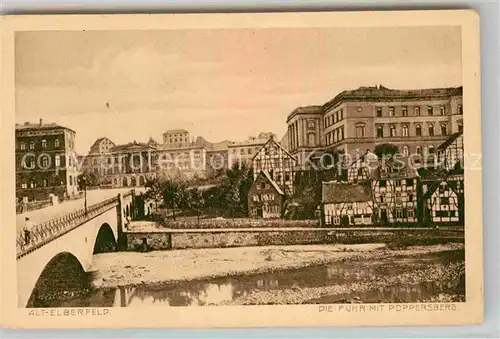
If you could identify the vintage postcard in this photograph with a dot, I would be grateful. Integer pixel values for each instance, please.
(241, 170)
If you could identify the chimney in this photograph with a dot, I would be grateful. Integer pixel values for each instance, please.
(41, 121)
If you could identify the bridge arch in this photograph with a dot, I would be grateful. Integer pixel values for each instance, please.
(63, 275)
(105, 240)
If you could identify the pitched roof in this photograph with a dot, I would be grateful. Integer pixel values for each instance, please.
(449, 141)
(313, 109)
(275, 185)
(338, 192)
(271, 140)
(170, 131)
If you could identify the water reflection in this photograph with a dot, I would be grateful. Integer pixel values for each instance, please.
(216, 291)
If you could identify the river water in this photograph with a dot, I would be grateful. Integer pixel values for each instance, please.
(220, 290)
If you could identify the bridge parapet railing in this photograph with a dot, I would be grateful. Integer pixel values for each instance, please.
(51, 229)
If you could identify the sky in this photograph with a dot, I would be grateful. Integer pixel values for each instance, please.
(225, 84)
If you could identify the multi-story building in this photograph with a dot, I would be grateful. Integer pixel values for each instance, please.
(46, 162)
(305, 135)
(396, 192)
(451, 152)
(265, 197)
(101, 145)
(278, 164)
(243, 152)
(190, 160)
(176, 138)
(127, 165)
(416, 121)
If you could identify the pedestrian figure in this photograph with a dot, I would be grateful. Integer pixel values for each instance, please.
(27, 231)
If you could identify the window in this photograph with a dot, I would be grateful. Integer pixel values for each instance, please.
(56, 143)
(338, 134)
(411, 213)
(382, 197)
(443, 129)
(406, 151)
(398, 198)
(430, 110)
(311, 139)
(409, 182)
(45, 183)
(380, 131)
(405, 130)
(410, 197)
(419, 150)
(417, 111)
(326, 122)
(431, 130)
(405, 111)
(379, 111)
(444, 201)
(391, 111)
(249, 151)
(24, 185)
(45, 161)
(287, 177)
(460, 109)
(70, 180)
(22, 146)
(399, 213)
(360, 171)
(310, 124)
(431, 149)
(44, 143)
(418, 130)
(398, 183)
(382, 183)
(255, 198)
(242, 151)
(460, 127)
(58, 160)
(32, 145)
(341, 114)
(442, 110)
(29, 163)
(392, 131)
(360, 131)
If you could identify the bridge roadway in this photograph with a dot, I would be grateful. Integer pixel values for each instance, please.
(68, 206)
(59, 255)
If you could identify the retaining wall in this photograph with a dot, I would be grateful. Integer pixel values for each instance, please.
(215, 238)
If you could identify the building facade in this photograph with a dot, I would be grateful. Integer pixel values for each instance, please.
(46, 161)
(265, 197)
(416, 121)
(396, 192)
(277, 162)
(242, 153)
(176, 138)
(346, 204)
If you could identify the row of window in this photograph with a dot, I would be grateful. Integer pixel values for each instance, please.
(334, 136)
(333, 118)
(398, 182)
(32, 144)
(248, 150)
(405, 130)
(391, 111)
(398, 198)
(46, 182)
(44, 162)
(263, 197)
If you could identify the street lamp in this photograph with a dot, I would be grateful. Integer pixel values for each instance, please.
(84, 184)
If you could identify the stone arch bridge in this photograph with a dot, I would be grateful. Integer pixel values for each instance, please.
(59, 255)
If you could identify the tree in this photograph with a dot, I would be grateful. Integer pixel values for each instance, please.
(154, 190)
(385, 150)
(234, 189)
(174, 193)
(88, 179)
(194, 200)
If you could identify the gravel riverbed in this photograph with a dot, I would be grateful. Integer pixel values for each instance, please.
(161, 267)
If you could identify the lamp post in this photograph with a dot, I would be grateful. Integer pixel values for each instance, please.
(84, 182)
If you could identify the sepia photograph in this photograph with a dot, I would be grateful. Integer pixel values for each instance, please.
(214, 167)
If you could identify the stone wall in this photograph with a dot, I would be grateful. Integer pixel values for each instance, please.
(178, 239)
(145, 241)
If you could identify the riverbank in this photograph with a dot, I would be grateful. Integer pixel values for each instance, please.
(165, 267)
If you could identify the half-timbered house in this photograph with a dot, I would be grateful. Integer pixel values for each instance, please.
(395, 192)
(451, 152)
(347, 204)
(443, 202)
(265, 197)
(277, 162)
(362, 168)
